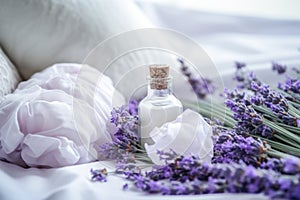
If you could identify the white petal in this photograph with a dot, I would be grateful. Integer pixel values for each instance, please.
(188, 134)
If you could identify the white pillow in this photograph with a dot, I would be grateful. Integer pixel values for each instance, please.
(36, 34)
(9, 76)
(58, 117)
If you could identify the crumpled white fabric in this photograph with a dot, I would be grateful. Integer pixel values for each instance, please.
(58, 117)
(188, 134)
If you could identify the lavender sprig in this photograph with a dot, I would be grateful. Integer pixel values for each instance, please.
(249, 121)
(276, 102)
(127, 125)
(279, 68)
(188, 175)
(99, 175)
(291, 89)
(125, 140)
(233, 148)
(201, 86)
(265, 112)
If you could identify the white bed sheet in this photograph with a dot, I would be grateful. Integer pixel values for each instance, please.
(74, 183)
(253, 40)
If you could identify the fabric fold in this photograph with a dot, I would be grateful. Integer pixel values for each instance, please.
(58, 117)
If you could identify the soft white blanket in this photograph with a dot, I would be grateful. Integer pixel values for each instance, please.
(58, 117)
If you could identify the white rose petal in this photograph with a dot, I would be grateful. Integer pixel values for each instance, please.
(188, 134)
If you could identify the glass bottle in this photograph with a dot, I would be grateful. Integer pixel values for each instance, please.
(160, 105)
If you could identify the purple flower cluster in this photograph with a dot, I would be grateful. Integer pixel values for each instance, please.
(127, 126)
(296, 70)
(133, 105)
(275, 101)
(99, 175)
(266, 113)
(249, 121)
(201, 86)
(239, 73)
(288, 165)
(125, 138)
(256, 106)
(279, 68)
(291, 85)
(244, 81)
(188, 175)
(233, 148)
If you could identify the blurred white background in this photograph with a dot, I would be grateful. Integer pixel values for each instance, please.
(280, 9)
(256, 32)
(252, 31)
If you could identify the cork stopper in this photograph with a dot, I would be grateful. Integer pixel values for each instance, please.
(159, 76)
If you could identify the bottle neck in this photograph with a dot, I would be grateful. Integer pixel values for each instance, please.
(159, 87)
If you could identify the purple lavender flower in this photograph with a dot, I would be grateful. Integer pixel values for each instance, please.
(291, 165)
(279, 68)
(240, 65)
(244, 82)
(110, 151)
(154, 186)
(125, 186)
(167, 156)
(297, 71)
(201, 86)
(99, 175)
(127, 125)
(125, 139)
(290, 85)
(233, 148)
(295, 193)
(239, 74)
(274, 100)
(133, 107)
(202, 178)
(249, 121)
(140, 181)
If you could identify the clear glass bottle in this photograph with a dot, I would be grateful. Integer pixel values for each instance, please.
(160, 105)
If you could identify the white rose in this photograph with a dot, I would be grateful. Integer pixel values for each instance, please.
(188, 134)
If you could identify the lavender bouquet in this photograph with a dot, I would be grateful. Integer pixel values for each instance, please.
(256, 142)
(258, 110)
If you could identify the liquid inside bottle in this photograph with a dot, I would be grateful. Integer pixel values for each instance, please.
(160, 105)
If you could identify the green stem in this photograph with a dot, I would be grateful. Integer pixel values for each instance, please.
(296, 105)
(293, 111)
(294, 129)
(276, 153)
(140, 150)
(142, 158)
(281, 147)
(283, 132)
(229, 121)
(293, 96)
(216, 106)
(263, 109)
